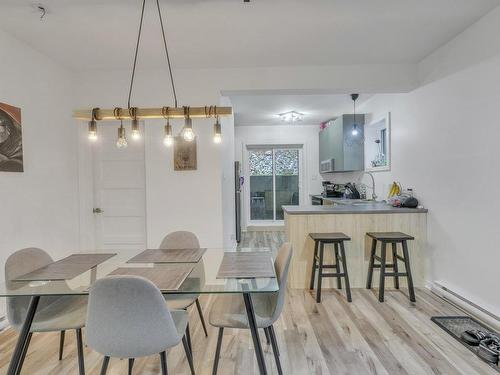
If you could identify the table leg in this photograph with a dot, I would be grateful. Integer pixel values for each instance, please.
(23, 337)
(255, 333)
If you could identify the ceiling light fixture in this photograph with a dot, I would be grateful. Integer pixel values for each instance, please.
(291, 116)
(92, 134)
(168, 140)
(122, 138)
(135, 113)
(354, 130)
(217, 131)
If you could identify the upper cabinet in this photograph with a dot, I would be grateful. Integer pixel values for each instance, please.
(341, 147)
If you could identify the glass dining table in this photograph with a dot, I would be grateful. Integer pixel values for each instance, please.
(201, 280)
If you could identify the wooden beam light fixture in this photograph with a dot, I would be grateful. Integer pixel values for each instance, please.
(135, 114)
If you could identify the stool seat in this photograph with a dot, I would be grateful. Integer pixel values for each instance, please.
(390, 236)
(338, 236)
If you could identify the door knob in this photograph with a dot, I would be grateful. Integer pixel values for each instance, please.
(97, 210)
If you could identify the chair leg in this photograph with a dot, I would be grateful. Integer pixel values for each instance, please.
(320, 272)
(268, 339)
(104, 366)
(217, 351)
(382, 272)
(79, 345)
(344, 270)
(61, 344)
(370, 265)
(163, 363)
(130, 365)
(188, 338)
(395, 262)
(337, 263)
(23, 355)
(408, 272)
(313, 271)
(188, 354)
(200, 312)
(273, 337)
(276, 354)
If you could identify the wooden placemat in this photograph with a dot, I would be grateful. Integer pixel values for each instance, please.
(168, 256)
(165, 277)
(66, 268)
(246, 265)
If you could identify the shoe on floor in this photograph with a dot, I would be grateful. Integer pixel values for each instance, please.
(489, 349)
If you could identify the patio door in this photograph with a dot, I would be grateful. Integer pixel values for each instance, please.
(275, 181)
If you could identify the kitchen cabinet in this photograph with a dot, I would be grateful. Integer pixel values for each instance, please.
(339, 149)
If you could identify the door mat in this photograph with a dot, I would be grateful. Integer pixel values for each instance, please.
(455, 325)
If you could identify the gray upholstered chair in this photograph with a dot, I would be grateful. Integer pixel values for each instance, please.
(228, 311)
(185, 240)
(128, 318)
(54, 314)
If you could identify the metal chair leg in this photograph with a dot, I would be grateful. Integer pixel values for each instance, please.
(163, 362)
(200, 312)
(130, 365)
(276, 354)
(217, 351)
(188, 354)
(23, 355)
(273, 337)
(268, 339)
(61, 344)
(79, 345)
(104, 366)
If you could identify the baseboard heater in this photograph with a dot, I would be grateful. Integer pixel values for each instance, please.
(466, 305)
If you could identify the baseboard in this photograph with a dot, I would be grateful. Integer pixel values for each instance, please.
(466, 305)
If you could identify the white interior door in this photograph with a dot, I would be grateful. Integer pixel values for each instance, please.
(119, 191)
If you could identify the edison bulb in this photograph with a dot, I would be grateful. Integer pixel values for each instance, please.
(188, 134)
(92, 136)
(354, 132)
(122, 142)
(217, 138)
(168, 140)
(136, 134)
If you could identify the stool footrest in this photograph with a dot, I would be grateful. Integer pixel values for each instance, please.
(389, 265)
(387, 274)
(332, 274)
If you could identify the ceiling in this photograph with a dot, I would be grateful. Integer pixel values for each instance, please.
(100, 34)
(250, 110)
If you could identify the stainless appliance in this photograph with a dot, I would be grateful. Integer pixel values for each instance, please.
(327, 166)
(238, 182)
(332, 190)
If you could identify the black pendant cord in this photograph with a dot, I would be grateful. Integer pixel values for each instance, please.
(166, 53)
(136, 52)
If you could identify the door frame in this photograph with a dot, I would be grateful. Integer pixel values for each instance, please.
(246, 173)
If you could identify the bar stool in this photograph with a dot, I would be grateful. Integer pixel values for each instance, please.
(392, 238)
(337, 239)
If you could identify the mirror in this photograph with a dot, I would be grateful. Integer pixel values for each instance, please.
(378, 144)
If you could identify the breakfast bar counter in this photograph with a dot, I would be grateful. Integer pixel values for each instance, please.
(354, 219)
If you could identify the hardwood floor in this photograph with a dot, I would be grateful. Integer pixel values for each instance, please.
(334, 337)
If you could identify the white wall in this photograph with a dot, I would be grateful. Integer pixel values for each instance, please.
(38, 207)
(306, 135)
(445, 145)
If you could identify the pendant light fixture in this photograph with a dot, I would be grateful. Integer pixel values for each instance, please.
(122, 138)
(168, 140)
(354, 130)
(135, 113)
(92, 134)
(136, 133)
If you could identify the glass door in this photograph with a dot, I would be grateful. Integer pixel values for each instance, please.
(274, 174)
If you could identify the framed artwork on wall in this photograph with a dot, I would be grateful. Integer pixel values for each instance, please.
(378, 144)
(184, 154)
(11, 139)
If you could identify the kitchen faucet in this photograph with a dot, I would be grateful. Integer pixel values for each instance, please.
(374, 196)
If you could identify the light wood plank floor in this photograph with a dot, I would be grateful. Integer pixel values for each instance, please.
(334, 337)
